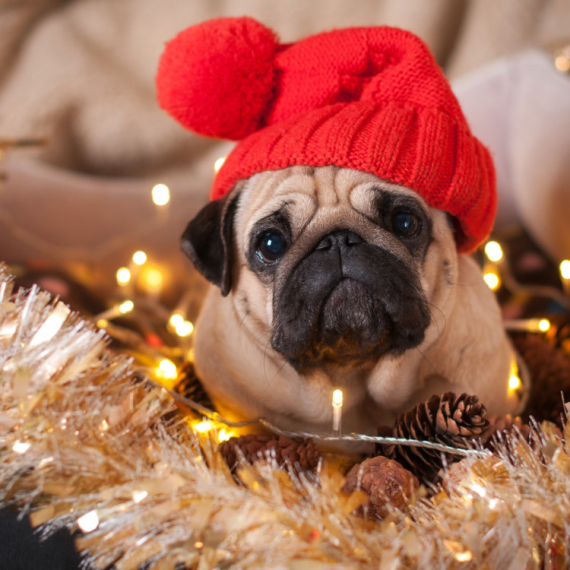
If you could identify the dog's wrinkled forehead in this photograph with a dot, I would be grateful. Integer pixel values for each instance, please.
(319, 197)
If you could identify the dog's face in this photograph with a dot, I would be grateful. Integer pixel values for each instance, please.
(330, 266)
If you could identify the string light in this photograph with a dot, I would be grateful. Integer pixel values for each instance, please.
(167, 369)
(565, 275)
(494, 251)
(88, 522)
(203, 427)
(219, 163)
(126, 307)
(514, 383)
(186, 328)
(492, 280)
(337, 400)
(123, 276)
(527, 325)
(181, 326)
(152, 278)
(176, 320)
(139, 258)
(161, 194)
(224, 435)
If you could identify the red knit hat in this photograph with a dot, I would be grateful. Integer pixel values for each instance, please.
(371, 99)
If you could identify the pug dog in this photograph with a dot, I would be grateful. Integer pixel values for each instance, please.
(329, 277)
(337, 234)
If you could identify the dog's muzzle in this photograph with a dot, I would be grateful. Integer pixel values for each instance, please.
(347, 302)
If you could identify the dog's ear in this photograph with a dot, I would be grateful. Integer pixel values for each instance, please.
(207, 240)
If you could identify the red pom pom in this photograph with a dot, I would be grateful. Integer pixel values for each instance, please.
(216, 78)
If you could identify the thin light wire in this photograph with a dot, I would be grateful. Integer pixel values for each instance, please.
(214, 416)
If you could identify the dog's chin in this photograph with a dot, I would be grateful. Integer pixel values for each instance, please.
(353, 330)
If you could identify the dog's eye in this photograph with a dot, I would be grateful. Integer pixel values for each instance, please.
(405, 224)
(271, 246)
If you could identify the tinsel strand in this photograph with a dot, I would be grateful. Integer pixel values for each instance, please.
(86, 445)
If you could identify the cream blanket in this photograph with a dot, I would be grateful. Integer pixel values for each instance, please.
(81, 74)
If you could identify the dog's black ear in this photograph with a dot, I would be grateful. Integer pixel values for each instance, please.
(207, 240)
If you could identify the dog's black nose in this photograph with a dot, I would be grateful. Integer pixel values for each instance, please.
(339, 240)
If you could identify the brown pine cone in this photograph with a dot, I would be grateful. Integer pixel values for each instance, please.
(503, 425)
(189, 385)
(549, 369)
(302, 455)
(448, 419)
(386, 483)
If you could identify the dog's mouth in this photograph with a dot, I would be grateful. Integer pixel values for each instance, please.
(353, 329)
(348, 310)
(352, 320)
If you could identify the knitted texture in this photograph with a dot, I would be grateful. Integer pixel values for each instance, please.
(371, 99)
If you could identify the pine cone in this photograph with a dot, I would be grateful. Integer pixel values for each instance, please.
(549, 369)
(448, 419)
(190, 386)
(504, 425)
(302, 455)
(386, 483)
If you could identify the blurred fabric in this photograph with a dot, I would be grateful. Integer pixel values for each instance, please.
(81, 74)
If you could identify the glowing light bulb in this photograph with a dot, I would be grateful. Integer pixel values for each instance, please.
(176, 320)
(494, 251)
(337, 398)
(152, 278)
(139, 258)
(185, 328)
(565, 274)
(167, 369)
(21, 447)
(161, 194)
(492, 280)
(514, 383)
(224, 435)
(203, 427)
(88, 522)
(123, 276)
(543, 325)
(126, 307)
(219, 163)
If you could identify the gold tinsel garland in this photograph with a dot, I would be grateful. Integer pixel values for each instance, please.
(86, 445)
